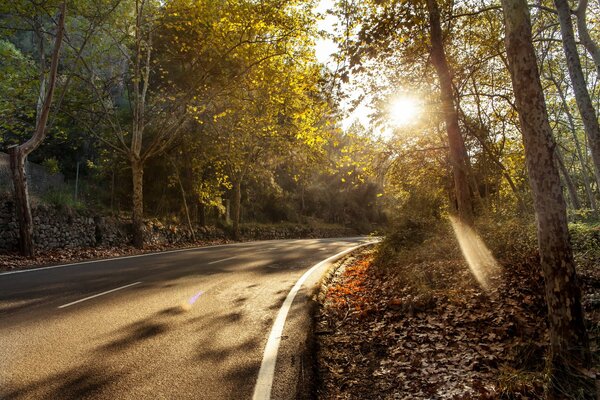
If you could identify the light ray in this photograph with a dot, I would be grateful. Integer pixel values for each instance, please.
(482, 263)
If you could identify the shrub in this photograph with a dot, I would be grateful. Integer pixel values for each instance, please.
(62, 199)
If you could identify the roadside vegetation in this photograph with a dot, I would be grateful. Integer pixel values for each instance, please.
(409, 320)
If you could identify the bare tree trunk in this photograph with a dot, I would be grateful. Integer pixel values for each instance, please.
(236, 207)
(112, 191)
(19, 154)
(569, 343)
(184, 199)
(140, 83)
(584, 34)
(202, 214)
(568, 181)
(21, 195)
(584, 174)
(582, 96)
(137, 174)
(458, 154)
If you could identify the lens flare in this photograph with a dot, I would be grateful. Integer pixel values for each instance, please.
(188, 306)
(404, 111)
(482, 263)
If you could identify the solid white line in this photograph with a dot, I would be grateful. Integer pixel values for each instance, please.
(224, 259)
(21, 271)
(264, 382)
(125, 257)
(99, 294)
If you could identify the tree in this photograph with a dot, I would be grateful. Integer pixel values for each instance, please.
(568, 337)
(582, 96)
(458, 153)
(155, 111)
(18, 154)
(584, 34)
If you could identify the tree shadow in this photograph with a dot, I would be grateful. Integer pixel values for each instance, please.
(77, 383)
(135, 333)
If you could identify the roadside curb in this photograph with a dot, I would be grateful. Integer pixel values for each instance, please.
(307, 385)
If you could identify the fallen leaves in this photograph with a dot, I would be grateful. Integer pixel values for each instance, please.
(427, 330)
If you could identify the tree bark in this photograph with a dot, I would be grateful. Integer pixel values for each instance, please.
(137, 174)
(184, 200)
(458, 153)
(568, 181)
(568, 337)
(584, 34)
(21, 196)
(236, 207)
(202, 214)
(19, 154)
(582, 96)
(570, 119)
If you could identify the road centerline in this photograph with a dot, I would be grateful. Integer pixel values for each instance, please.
(98, 295)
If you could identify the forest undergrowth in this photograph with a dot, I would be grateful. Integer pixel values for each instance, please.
(408, 320)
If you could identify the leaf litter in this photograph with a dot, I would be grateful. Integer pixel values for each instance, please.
(426, 330)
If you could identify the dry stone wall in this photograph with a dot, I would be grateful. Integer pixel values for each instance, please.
(60, 228)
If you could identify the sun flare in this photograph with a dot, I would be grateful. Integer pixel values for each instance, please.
(404, 111)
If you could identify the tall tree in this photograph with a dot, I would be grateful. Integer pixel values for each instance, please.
(458, 152)
(582, 96)
(568, 337)
(18, 154)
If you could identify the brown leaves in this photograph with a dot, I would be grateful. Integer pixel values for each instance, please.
(430, 332)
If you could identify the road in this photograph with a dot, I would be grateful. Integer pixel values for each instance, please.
(176, 325)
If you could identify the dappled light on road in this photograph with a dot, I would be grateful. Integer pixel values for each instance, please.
(482, 263)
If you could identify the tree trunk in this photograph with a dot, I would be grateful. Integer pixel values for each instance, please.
(137, 173)
(582, 96)
(21, 196)
(568, 337)
(570, 119)
(20, 153)
(568, 181)
(202, 214)
(184, 200)
(458, 153)
(236, 207)
(584, 34)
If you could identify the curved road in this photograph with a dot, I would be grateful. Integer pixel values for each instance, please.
(189, 324)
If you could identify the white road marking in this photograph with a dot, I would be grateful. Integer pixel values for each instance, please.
(99, 294)
(224, 259)
(21, 271)
(264, 382)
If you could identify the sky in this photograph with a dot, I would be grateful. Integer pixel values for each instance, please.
(324, 48)
(403, 110)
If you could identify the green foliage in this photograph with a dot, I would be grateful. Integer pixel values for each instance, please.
(585, 238)
(17, 93)
(62, 198)
(51, 165)
(510, 238)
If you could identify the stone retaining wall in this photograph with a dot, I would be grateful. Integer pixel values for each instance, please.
(58, 228)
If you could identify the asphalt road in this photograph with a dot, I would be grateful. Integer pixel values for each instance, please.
(177, 325)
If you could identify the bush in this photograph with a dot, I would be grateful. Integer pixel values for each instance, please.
(510, 239)
(62, 199)
(585, 238)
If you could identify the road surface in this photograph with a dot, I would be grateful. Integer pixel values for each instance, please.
(187, 324)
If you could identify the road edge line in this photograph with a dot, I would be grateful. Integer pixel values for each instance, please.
(152, 253)
(264, 381)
